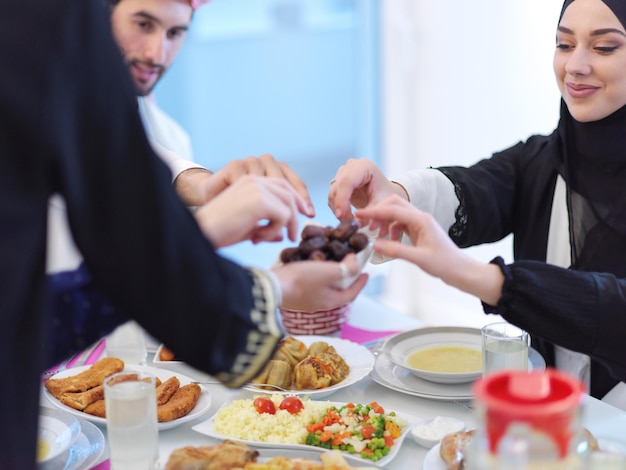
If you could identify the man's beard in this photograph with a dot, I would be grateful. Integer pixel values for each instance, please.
(139, 89)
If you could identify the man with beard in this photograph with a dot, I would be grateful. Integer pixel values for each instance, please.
(149, 34)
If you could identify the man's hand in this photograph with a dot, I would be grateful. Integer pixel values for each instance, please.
(255, 208)
(265, 165)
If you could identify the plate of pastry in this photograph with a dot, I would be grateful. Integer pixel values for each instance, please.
(298, 360)
(79, 391)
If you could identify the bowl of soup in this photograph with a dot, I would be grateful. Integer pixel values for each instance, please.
(438, 354)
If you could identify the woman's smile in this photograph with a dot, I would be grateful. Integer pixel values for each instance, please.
(579, 90)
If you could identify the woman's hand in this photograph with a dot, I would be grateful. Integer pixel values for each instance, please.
(255, 208)
(431, 248)
(359, 183)
(308, 285)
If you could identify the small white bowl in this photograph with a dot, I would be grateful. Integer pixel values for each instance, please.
(57, 432)
(429, 433)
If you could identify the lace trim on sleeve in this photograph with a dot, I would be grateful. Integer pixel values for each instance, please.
(459, 227)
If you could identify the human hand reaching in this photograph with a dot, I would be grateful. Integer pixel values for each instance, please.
(359, 183)
(431, 248)
(265, 165)
(255, 208)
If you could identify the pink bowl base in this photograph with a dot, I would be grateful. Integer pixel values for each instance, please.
(324, 322)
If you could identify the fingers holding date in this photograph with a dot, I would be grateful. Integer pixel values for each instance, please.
(326, 243)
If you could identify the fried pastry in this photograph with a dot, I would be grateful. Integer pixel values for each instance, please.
(166, 354)
(276, 372)
(291, 351)
(225, 456)
(339, 368)
(97, 408)
(80, 400)
(165, 390)
(452, 449)
(87, 379)
(181, 403)
(312, 373)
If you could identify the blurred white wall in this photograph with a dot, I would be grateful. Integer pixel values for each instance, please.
(460, 81)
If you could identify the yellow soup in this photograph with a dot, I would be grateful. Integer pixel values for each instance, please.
(455, 359)
(43, 449)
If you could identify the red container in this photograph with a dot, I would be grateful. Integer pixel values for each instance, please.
(547, 401)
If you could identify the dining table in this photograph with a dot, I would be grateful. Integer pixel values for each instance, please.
(370, 323)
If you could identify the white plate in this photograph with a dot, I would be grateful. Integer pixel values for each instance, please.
(433, 461)
(206, 428)
(397, 378)
(58, 429)
(203, 405)
(399, 347)
(359, 358)
(84, 453)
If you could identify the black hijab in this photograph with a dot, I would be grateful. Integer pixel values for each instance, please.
(593, 163)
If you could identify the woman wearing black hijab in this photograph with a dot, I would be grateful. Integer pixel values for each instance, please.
(562, 196)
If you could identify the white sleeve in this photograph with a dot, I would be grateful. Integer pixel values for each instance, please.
(430, 191)
(168, 139)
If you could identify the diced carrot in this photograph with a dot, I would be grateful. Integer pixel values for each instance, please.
(314, 427)
(377, 408)
(394, 431)
(388, 441)
(337, 441)
(326, 436)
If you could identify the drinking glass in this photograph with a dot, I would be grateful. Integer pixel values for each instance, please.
(127, 342)
(131, 414)
(505, 346)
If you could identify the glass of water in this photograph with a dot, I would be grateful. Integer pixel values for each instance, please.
(505, 346)
(131, 414)
(127, 342)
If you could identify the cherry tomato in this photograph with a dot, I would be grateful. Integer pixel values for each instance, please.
(367, 431)
(264, 405)
(292, 404)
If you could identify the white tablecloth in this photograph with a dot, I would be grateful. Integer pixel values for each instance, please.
(601, 419)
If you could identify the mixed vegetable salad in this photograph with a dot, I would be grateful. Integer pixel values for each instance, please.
(357, 428)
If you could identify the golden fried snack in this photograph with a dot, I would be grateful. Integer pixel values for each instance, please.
(87, 379)
(166, 354)
(97, 408)
(80, 400)
(339, 368)
(181, 403)
(452, 449)
(225, 456)
(318, 347)
(291, 351)
(312, 373)
(165, 391)
(285, 463)
(276, 372)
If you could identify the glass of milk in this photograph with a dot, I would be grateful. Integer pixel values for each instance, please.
(131, 414)
(505, 346)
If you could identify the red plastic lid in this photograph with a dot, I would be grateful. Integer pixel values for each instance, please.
(525, 394)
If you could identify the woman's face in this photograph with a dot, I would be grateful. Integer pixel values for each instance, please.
(590, 60)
